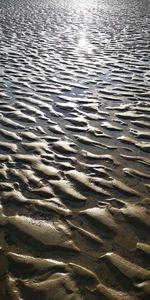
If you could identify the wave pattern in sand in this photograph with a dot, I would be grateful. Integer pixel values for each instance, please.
(74, 150)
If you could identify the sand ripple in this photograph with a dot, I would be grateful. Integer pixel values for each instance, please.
(74, 150)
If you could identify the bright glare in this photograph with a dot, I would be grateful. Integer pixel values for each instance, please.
(84, 45)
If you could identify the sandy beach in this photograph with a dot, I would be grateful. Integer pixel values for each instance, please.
(74, 150)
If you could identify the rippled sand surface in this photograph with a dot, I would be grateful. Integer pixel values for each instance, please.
(74, 150)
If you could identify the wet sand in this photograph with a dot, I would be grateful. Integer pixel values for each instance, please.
(74, 150)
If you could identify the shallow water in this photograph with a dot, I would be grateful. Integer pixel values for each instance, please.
(74, 149)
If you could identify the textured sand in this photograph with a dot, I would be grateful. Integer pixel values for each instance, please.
(74, 150)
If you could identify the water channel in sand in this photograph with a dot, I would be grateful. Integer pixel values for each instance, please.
(74, 150)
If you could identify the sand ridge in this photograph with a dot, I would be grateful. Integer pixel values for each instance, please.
(74, 150)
